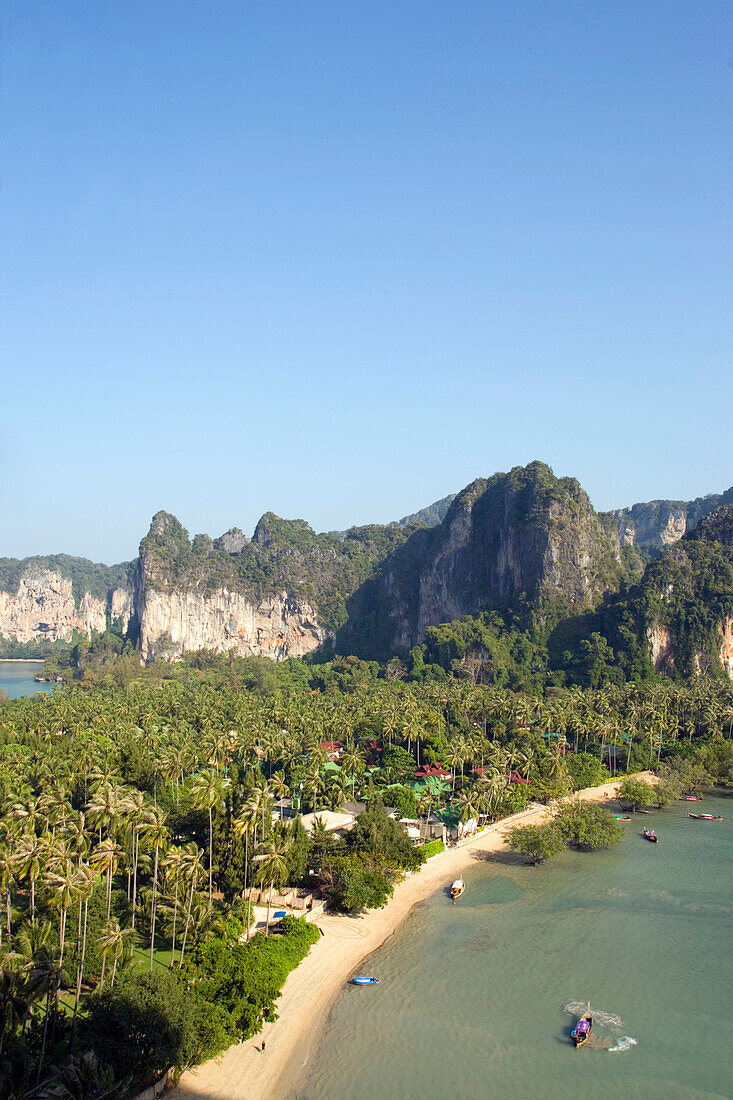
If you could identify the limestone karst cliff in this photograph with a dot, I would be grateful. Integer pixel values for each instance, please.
(523, 536)
(186, 603)
(524, 544)
(660, 523)
(55, 598)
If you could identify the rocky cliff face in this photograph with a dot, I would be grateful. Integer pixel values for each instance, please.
(174, 622)
(525, 535)
(190, 596)
(44, 608)
(660, 523)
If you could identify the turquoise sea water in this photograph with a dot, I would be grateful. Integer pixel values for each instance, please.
(472, 994)
(16, 677)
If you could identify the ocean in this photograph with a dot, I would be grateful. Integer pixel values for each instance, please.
(16, 677)
(477, 997)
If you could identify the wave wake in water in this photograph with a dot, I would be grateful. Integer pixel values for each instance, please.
(606, 1019)
(624, 1043)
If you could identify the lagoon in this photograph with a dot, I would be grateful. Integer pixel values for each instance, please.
(472, 994)
(16, 678)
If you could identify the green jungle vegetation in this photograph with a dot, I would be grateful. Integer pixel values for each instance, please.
(137, 825)
(283, 554)
(85, 576)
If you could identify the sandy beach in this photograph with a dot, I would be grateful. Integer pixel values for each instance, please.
(244, 1071)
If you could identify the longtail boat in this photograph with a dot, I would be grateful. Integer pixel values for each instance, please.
(583, 1027)
(705, 817)
(457, 888)
(365, 981)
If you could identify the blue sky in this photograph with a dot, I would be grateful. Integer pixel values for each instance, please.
(337, 260)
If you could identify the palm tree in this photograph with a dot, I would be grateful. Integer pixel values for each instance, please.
(112, 938)
(173, 865)
(104, 861)
(156, 834)
(273, 865)
(192, 870)
(208, 794)
(64, 885)
(7, 868)
(29, 860)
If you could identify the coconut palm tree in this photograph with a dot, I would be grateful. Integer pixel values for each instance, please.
(157, 835)
(7, 870)
(112, 938)
(104, 860)
(173, 866)
(208, 794)
(273, 865)
(30, 862)
(192, 870)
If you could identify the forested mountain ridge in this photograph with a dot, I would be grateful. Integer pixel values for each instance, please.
(524, 547)
(523, 538)
(659, 523)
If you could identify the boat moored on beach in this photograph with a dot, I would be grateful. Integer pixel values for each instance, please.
(581, 1032)
(457, 888)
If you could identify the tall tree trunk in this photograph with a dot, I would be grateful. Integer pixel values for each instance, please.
(188, 919)
(175, 915)
(211, 855)
(45, 1034)
(153, 907)
(136, 850)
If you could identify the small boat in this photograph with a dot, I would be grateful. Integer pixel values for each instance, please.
(690, 798)
(457, 888)
(705, 817)
(649, 834)
(365, 981)
(581, 1032)
(620, 817)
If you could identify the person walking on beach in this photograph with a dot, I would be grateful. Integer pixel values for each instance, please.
(263, 1046)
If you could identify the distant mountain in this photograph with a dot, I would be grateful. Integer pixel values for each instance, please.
(525, 546)
(432, 515)
(525, 537)
(660, 523)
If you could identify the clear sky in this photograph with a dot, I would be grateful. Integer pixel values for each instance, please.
(335, 260)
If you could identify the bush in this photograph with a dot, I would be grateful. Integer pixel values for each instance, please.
(244, 980)
(585, 770)
(149, 1022)
(635, 792)
(536, 842)
(357, 885)
(432, 847)
(588, 825)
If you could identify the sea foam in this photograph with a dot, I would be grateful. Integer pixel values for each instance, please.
(624, 1043)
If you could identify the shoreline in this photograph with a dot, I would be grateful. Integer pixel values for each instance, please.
(23, 660)
(312, 988)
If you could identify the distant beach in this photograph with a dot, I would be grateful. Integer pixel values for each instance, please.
(244, 1071)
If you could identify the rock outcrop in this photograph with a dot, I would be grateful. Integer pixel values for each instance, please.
(523, 536)
(44, 607)
(660, 523)
(175, 622)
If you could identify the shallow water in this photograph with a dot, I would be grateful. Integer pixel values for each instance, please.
(16, 677)
(472, 997)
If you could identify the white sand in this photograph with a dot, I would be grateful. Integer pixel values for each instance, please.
(244, 1071)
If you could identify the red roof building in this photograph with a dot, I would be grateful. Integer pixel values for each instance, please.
(332, 750)
(426, 771)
